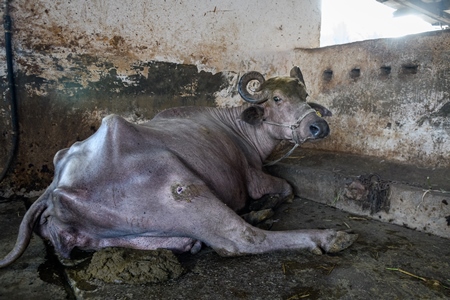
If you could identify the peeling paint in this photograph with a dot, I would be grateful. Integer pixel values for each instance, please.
(79, 61)
(61, 112)
(227, 33)
(400, 115)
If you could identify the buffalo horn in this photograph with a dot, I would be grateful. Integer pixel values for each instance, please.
(259, 96)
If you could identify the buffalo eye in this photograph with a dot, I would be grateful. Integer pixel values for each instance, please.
(276, 99)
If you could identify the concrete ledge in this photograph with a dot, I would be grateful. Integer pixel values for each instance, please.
(413, 197)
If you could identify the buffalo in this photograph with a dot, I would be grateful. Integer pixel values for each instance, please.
(182, 179)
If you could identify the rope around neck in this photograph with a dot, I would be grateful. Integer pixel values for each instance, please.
(292, 127)
(271, 163)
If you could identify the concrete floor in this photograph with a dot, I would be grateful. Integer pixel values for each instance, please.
(360, 272)
(386, 262)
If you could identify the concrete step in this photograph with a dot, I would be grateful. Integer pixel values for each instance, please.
(417, 198)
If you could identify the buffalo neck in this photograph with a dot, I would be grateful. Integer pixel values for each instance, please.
(256, 136)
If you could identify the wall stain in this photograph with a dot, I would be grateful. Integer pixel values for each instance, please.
(53, 114)
(398, 107)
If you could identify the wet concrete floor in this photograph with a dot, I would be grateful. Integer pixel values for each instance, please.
(386, 262)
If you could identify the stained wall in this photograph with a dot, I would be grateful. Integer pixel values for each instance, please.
(390, 97)
(77, 61)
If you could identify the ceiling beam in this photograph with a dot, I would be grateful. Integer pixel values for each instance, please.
(436, 11)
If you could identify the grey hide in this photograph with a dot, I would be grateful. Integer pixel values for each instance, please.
(179, 180)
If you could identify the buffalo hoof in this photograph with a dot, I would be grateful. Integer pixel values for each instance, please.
(270, 201)
(265, 202)
(256, 217)
(196, 247)
(341, 241)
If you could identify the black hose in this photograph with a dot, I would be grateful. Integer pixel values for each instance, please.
(12, 90)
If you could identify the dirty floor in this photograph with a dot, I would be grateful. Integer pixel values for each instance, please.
(386, 262)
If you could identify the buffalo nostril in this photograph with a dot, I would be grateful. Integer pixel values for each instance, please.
(319, 129)
(315, 130)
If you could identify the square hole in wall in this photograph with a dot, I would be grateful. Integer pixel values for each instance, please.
(355, 73)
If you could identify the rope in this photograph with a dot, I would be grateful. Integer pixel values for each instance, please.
(270, 163)
(292, 127)
(12, 101)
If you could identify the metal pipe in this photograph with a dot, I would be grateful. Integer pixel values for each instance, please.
(7, 24)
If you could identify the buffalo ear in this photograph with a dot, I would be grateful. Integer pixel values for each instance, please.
(324, 112)
(296, 73)
(254, 115)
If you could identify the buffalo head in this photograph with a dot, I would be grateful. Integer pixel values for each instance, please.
(280, 102)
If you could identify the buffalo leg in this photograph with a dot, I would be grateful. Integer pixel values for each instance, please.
(261, 184)
(176, 244)
(207, 219)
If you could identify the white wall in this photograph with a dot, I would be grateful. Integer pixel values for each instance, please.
(403, 115)
(79, 60)
(214, 35)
